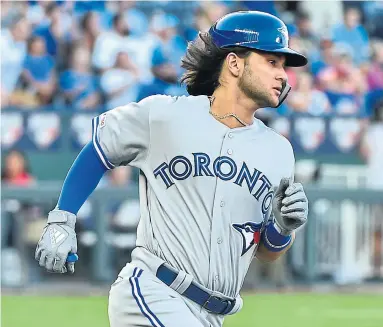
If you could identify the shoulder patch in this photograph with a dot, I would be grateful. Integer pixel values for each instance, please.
(102, 120)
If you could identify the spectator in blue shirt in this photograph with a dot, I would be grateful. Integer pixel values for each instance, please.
(56, 32)
(304, 98)
(323, 58)
(39, 70)
(353, 33)
(343, 83)
(78, 84)
(49, 32)
(38, 64)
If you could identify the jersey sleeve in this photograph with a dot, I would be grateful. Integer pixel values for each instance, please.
(121, 136)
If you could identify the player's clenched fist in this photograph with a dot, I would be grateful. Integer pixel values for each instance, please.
(290, 206)
(57, 247)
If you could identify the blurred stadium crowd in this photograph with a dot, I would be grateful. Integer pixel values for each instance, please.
(87, 54)
(65, 60)
(81, 58)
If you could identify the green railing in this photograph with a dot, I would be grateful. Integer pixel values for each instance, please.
(349, 212)
(101, 197)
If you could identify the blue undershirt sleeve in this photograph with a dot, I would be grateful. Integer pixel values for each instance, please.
(83, 177)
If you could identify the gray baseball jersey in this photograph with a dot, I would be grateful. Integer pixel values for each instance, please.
(205, 189)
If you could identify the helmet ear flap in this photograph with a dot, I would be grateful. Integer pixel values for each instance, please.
(285, 91)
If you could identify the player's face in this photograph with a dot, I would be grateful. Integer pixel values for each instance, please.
(262, 78)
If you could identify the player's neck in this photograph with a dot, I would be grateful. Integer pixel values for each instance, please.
(225, 102)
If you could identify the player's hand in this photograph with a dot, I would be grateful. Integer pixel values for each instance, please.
(290, 206)
(57, 247)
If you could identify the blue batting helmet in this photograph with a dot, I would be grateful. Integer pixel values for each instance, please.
(255, 30)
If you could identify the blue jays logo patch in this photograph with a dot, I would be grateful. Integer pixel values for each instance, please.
(251, 234)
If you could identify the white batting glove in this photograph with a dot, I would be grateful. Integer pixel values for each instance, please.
(290, 207)
(57, 243)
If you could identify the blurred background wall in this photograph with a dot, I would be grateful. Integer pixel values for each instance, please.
(63, 63)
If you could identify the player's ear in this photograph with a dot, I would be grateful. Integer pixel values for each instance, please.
(235, 64)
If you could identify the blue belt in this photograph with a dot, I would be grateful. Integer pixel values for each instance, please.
(211, 303)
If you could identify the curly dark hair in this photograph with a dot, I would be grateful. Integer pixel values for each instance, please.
(203, 64)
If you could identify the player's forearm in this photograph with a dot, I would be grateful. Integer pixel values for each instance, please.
(82, 179)
(265, 254)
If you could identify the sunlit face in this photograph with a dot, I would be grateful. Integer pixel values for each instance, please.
(123, 60)
(56, 14)
(121, 26)
(305, 82)
(304, 25)
(81, 59)
(38, 47)
(352, 17)
(262, 78)
(14, 164)
(93, 25)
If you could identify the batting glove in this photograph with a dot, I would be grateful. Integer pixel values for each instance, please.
(57, 247)
(290, 207)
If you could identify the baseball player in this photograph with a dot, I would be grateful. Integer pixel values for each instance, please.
(216, 184)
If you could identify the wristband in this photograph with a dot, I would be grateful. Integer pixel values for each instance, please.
(273, 240)
(63, 217)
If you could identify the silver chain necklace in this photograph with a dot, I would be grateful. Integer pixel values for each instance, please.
(231, 114)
